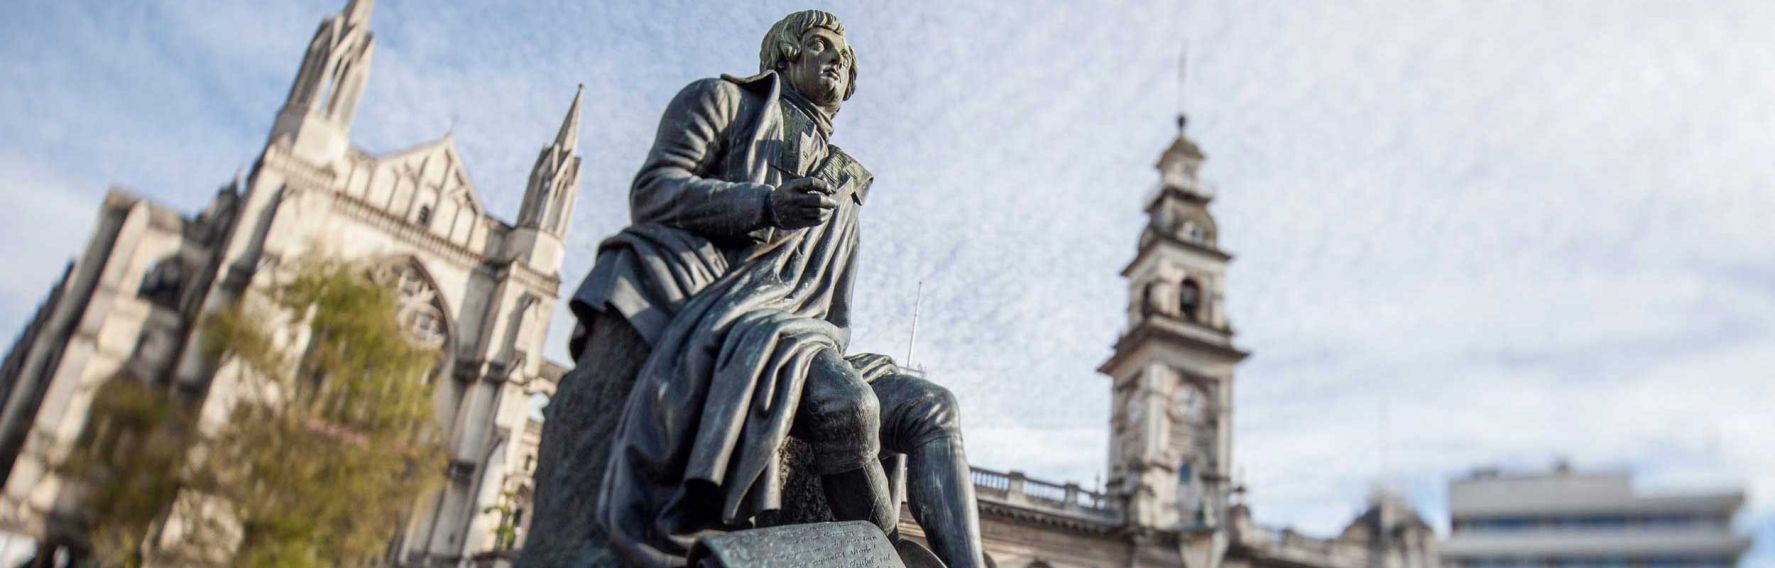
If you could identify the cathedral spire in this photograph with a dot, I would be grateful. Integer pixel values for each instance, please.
(568, 137)
(554, 180)
(316, 117)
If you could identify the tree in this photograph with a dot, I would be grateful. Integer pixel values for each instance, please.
(131, 457)
(332, 438)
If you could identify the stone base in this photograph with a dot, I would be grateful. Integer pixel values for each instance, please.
(855, 544)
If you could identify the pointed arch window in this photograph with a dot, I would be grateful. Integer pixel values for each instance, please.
(1189, 299)
(420, 308)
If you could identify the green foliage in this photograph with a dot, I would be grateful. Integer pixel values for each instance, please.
(330, 442)
(506, 534)
(131, 456)
(322, 476)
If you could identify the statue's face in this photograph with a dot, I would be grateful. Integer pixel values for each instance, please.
(822, 73)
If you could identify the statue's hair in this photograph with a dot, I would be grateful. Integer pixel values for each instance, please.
(782, 44)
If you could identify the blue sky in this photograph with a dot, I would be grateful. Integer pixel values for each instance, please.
(1468, 233)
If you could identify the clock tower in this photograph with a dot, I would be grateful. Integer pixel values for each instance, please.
(1172, 371)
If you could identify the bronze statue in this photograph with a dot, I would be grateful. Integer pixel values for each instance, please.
(721, 318)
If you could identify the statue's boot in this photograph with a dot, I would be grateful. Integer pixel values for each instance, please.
(941, 491)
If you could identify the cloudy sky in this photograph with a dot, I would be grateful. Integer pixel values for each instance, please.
(1468, 233)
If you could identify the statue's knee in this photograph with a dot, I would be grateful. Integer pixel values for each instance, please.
(850, 412)
(944, 411)
(838, 405)
(931, 414)
(948, 407)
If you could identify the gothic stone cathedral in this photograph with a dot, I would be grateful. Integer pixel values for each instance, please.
(477, 286)
(483, 290)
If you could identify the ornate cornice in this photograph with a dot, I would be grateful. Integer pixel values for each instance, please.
(1149, 331)
(422, 239)
(1026, 515)
(1154, 240)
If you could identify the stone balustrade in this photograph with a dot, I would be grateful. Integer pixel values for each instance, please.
(1014, 488)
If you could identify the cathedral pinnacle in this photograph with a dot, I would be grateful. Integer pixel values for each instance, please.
(568, 138)
(316, 117)
(554, 180)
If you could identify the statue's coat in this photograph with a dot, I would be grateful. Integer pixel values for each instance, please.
(735, 320)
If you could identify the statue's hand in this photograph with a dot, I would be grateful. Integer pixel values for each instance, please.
(801, 202)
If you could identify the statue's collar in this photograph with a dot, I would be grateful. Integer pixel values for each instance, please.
(764, 81)
(821, 122)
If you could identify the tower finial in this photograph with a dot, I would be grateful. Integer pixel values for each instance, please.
(1182, 67)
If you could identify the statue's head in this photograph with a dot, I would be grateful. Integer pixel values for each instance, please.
(809, 50)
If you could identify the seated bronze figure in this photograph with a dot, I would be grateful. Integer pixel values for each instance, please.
(713, 330)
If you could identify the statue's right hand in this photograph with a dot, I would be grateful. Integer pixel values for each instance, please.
(801, 202)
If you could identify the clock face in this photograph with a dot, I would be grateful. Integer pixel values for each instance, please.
(1192, 403)
(1133, 409)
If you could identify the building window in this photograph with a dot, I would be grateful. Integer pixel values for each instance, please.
(1189, 299)
(420, 310)
(163, 283)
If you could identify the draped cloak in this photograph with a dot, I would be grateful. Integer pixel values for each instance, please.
(697, 447)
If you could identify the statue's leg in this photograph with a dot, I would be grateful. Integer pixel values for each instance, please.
(581, 424)
(840, 418)
(920, 419)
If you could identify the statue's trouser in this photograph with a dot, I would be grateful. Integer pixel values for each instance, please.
(582, 420)
(907, 415)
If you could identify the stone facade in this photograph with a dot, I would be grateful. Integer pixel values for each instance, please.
(480, 288)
